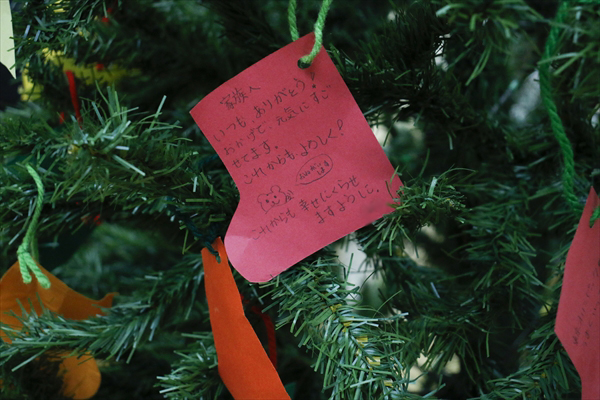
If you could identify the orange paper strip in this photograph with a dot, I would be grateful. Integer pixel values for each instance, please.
(243, 363)
(81, 377)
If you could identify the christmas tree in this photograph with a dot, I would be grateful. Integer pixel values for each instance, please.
(487, 109)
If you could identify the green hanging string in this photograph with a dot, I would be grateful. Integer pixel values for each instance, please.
(319, 26)
(555, 121)
(26, 261)
(292, 20)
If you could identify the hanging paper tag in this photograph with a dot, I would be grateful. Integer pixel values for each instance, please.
(578, 316)
(7, 52)
(79, 372)
(307, 165)
(243, 364)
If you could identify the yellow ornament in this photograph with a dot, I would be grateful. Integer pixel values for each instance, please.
(87, 73)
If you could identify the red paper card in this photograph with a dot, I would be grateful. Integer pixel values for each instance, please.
(243, 364)
(306, 162)
(578, 316)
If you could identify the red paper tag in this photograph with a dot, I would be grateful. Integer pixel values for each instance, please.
(306, 162)
(578, 316)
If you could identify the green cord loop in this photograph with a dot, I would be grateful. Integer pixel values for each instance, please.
(319, 26)
(26, 261)
(558, 129)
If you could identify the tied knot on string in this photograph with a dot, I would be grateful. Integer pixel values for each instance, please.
(203, 162)
(26, 261)
(307, 60)
(206, 238)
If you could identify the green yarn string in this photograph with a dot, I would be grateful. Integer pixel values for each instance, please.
(26, 261)
(292, 20)
(558, 130)
(307, 60)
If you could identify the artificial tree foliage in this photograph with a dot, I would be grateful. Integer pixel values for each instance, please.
(134, 191)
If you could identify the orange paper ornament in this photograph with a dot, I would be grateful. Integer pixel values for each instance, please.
(243, 363)
(80, 374)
